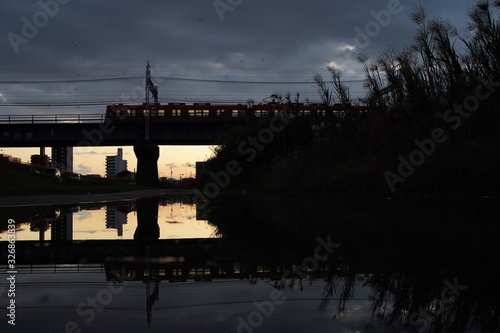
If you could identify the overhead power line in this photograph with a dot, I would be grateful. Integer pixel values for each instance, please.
(163, 78)
(69, 80)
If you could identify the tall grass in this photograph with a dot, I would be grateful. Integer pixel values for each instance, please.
(409, 92)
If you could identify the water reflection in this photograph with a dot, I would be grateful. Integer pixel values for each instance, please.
(431, 264)
(176, 218)
(356, 264)
(147, 230)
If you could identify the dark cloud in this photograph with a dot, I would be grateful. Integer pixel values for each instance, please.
(256, 41)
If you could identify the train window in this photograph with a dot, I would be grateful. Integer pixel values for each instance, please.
(199, 113)
(154, 113)
(161, 113)
(235, 113)
(146, 113)
(191, 113)
(261, 113)
(278, 113)
(242, 113)
(307, 112)
(131, 112)
(220, 112)
(265, 113)
(206, 113)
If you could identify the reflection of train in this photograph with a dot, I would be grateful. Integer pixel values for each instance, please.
(208, 111)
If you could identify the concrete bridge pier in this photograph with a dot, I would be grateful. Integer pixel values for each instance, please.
(147, 154)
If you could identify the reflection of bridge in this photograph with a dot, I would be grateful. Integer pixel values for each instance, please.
(176, 260)
(171, 260)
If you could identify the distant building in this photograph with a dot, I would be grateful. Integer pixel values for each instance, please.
(201, 171)
(62, 158)
(115, 164)
(125, 174)
(39, 160)
(9, 158)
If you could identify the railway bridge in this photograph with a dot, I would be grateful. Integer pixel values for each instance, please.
(95, 130)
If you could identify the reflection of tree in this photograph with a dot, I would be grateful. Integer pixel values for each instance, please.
(405, 248)
(415, 302)
(340, 287)
(435, 305)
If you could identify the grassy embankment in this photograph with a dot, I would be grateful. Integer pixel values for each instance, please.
(19, 179)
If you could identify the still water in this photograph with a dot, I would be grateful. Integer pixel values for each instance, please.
(113, 222)
(259, 264)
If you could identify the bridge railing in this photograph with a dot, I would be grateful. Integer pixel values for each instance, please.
(60, 268)
(52, 119)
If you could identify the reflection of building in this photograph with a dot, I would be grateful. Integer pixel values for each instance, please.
(115, 219)
(41, 227)
(62, 158)
(115, 164)
(40, 160)
(62, 228)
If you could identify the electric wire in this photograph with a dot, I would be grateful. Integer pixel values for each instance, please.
(33, 86)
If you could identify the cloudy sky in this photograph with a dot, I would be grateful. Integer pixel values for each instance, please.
(74, 56)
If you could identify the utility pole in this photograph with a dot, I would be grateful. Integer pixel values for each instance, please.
(146, 108)
(150, 87)
(146, 151)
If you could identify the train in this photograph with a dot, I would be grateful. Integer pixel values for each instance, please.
(158, 112)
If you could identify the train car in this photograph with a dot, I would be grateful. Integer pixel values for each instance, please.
(172, 112)
(176, 111)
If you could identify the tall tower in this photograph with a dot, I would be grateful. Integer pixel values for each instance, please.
(115, 164)
(62, 158)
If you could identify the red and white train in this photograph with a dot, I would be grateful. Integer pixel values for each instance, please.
(239, 111)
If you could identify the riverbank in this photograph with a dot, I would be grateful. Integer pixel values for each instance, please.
(59, 199)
